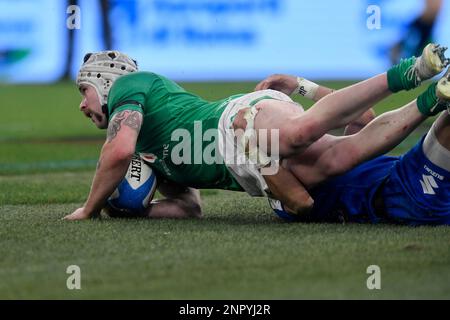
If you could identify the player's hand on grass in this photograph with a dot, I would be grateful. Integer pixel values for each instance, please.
(280, 82)
(79, 214)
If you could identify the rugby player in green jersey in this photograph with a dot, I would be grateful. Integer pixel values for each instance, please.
(151, 115)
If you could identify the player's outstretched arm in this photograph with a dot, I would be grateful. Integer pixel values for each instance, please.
(291, 84)
(115, 158)
(180, 202)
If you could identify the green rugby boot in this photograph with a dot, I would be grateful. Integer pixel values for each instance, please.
(410, 73)
(436, 98)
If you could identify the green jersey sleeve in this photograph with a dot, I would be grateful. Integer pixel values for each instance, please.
(127, 94)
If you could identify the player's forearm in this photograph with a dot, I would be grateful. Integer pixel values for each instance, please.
(322, 92)
(110, 171)
(123, 130)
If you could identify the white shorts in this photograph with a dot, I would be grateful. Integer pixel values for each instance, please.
(248, 175)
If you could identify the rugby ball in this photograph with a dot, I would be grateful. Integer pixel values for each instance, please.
(136, 190)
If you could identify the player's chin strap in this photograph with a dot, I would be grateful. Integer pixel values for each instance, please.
(118, 105)
(105, 111)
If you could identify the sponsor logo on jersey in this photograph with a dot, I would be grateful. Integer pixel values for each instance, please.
(434, 174)
(428, 184)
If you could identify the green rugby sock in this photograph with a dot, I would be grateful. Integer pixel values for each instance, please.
(401, 76)
(428, 102)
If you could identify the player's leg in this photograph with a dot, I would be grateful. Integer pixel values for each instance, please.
(442, 124)
(425, 173)
(298, 130)
(378, 137)
(335, 155)
(436, 145)
(343, 106)
(413, 189)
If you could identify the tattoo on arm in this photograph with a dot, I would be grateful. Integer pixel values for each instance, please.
(114, 125)
(128, 118)
(133, 121)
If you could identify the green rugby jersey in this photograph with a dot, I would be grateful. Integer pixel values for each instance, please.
(171, 113)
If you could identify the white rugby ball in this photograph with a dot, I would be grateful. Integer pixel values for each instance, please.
(136, 190)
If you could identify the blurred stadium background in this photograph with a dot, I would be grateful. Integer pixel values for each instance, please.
(204, 40)
(215, 48)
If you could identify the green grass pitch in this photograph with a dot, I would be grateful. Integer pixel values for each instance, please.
(48, 153)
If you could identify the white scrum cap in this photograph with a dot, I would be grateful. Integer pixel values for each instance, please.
(101, 69)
